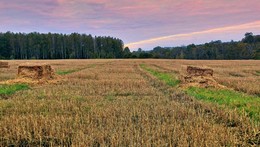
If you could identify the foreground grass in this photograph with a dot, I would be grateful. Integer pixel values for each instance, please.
(232, 99)
(169, 79)
(11, 89)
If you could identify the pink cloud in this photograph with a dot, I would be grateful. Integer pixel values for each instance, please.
(131, 20)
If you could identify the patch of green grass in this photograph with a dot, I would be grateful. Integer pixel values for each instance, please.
(168, 78)
(232, 99)
(11, 89)
(110, 97)
(236, 74)
(65, 72)
(80, 99)
(86, 108)
(257, 72)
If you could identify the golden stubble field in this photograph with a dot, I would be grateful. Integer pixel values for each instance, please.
(117, 103)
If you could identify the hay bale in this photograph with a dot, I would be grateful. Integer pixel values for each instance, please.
(35, 72)
(198, 77)
(4, 65)
(195, 71)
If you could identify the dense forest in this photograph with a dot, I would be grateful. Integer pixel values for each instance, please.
(81, 46)
(247, 48)
(58, 46)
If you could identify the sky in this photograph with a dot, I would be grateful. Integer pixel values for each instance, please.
(139, 23)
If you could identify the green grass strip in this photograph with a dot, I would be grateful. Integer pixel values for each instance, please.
(258, 72)
(11, 89)
(169, 79)
(65, 72)
(232, 99)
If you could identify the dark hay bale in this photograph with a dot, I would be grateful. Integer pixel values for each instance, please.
(195, 71)
(35, 72)
(4, 65)
(198, 77)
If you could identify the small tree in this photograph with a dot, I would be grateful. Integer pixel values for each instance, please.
(249, 38)
(126, 53)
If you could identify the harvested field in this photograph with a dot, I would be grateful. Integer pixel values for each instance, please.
(124, 103)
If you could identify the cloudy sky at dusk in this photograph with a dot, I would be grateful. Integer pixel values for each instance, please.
(139, 23)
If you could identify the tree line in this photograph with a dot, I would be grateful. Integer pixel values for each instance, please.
(81, 46)
(58, 46)
(247, 48)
